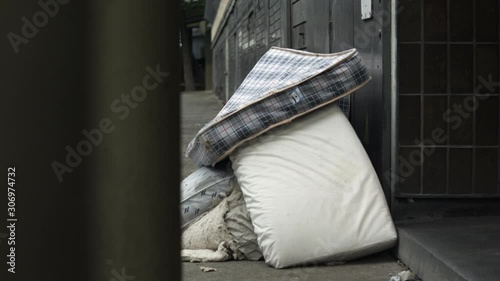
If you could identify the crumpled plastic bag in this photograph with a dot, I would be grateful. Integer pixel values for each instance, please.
(226, 232)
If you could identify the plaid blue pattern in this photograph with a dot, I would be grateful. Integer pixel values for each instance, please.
(312, 80)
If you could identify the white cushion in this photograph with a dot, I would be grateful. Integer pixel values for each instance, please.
(312, 192)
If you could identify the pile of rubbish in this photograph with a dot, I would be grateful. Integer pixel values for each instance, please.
(283, 175)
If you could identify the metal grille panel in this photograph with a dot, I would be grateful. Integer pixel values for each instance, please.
(448, 98)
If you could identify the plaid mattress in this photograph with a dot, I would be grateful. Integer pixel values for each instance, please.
(283, 85)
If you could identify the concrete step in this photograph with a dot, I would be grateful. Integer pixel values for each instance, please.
(455, 249)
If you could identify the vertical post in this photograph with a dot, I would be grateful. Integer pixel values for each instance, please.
(394, 104)
(226, 63)
(208, 59)
(43, 110)
(498, 79)
(133, 186)
(286, 29)
(112, 212)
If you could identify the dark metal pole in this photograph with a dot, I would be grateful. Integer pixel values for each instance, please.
(90, 120)
(134, 183)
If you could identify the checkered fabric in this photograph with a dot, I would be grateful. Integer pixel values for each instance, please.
(283, 85)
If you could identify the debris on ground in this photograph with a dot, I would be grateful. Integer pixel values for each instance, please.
(404, 266)
(405, 275)
(207, 269)
(206, 255)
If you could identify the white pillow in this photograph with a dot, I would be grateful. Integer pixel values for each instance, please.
(312, 193)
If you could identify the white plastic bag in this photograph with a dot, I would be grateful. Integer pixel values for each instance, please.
(203, 190)
(222, 231)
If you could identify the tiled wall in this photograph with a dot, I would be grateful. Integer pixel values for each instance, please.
(448, 115)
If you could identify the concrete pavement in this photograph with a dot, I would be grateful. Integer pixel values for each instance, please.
(197, 109)
(373, 268)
